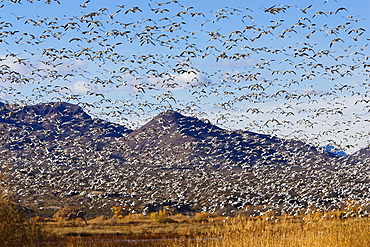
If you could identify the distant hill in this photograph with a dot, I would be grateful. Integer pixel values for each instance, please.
(53, 132)
(179, 140)
(362, 154)
(63, 133)
(58, 117)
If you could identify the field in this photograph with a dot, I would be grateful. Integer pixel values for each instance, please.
(139, 230)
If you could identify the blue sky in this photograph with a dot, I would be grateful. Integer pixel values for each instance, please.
(289, 68)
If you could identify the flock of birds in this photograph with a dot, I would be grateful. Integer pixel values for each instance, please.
(308, 63)
(295, 62)
(55, 155)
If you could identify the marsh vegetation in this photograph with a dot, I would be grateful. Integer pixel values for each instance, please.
(313, 228)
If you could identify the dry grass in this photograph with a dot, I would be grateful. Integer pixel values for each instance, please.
(286, 233)
(123, 228)
(237, 231)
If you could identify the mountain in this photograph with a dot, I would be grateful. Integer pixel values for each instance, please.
(55, 154)
(54, 132)
(362, 154)
(331, 150)
(173, 140)
(176, 140)
(63, 133)
(58, 117)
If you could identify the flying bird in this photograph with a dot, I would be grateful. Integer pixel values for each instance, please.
(334, 41)
(133, 10)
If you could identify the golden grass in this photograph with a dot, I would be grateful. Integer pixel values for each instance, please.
(286, 233)
(233, 232)
(131, 230)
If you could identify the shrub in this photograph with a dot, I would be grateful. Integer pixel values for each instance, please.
(15, 228)
(161, 216)
(99, 220)
(70, 213)
(201, 217)
(119, 211)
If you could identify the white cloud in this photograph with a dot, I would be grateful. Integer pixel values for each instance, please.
(80, 87)
(227, 63)
(180, 81)
(15, 64)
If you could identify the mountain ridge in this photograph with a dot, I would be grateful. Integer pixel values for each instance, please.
(169, 138)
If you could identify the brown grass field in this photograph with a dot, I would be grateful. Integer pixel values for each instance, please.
(139, 230)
